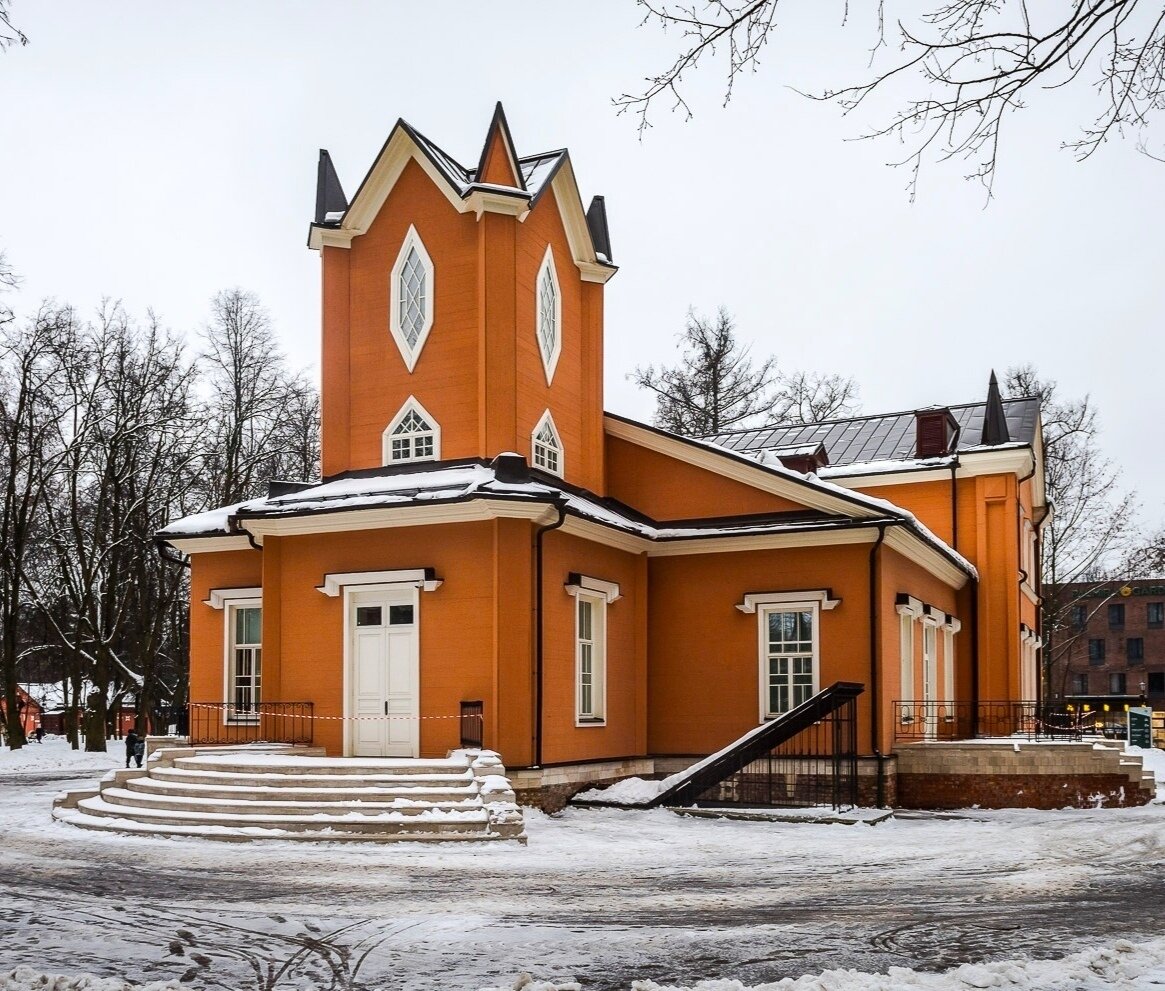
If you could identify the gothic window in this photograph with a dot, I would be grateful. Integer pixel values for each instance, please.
(413, 435)
(547, 445)
(411, 298)
(549, 315)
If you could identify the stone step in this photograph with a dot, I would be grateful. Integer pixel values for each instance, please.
(432, 820)
(333, 805)
(246, 834)
(158, 785)
(323, 766)
(297, 779)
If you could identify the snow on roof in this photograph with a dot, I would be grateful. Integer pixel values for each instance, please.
(461, 482)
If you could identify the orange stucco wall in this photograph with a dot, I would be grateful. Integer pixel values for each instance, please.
(668, 489)
(221, 569)
(479, 373)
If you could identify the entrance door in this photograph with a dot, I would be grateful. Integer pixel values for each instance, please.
(383, 673)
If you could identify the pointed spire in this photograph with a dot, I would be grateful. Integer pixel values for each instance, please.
(499, 158)
(994, 418)
(597, 223)
(330, 196)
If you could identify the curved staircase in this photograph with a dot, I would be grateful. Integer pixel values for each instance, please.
(297, 793)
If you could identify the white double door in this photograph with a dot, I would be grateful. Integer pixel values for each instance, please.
(383, 673)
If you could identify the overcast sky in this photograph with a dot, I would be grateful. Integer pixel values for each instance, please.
(156, 153)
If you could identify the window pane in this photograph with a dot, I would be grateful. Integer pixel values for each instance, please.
(368, 616)
(400, 615)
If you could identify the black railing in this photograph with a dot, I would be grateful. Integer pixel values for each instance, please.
(915, 720)
(805, 757)
(472, 725)
(256, 722)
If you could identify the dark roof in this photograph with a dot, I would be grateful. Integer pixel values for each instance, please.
(887, 437)
(597, 222)
(330, 197)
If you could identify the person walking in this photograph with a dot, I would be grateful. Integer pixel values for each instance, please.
(39, 734)
(135, 748)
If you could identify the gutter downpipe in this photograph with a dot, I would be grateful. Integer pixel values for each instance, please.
(875, 695)
(538, 535)
(1038, 585)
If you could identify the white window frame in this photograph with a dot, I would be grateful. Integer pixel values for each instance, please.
(598, 644)
(908, 612)
(411, 405)
(547, 420)
(231, 607)
(410, 353)
(813, 607)
(549, 361)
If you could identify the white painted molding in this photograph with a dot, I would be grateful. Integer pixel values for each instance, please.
(549, 362)
(410, 353)
(818, 596)
(206, 545)
(912, 607)
(412, 578)
(386, 438)
(585, 584)
(220, 597)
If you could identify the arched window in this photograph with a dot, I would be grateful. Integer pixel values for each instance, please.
(548, 300)
(547, 445)
(413, 435)
(410, 313)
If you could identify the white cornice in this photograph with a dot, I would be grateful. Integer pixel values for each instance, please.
(335, 583)
(219, 597)
(914, 548)
(820, 596)
(511, 205)
(762, 542)
(1015, 461)
(596, 586)
(389, 517)
(738, 469)
(206, 545)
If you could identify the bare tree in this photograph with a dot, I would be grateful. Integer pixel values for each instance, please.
(254, 402)
(33, 400)
(1093, 518)
(955, 69)
(715, 386)
(10, 34)
(807, 397)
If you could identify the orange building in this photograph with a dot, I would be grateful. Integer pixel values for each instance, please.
(614, 596)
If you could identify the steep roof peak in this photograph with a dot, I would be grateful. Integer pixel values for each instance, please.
(498, 162)
(994, 416)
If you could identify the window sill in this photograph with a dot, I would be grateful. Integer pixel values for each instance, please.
(589, 723)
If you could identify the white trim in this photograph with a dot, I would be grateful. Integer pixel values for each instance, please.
(588, 586)
(547, 420)
(209, 545)
(1017, 461)
(912, 607)
(549, 362)
(218, 598)
(413, 577)
(515, 204)
(802, 604)
(762, 541)
(410, 405)
(906, 658)
(574, 223)
(949, 631)
(598, 662)
(410, 353)
(348, 603)
(820, 596)
(738, 468)
(231, 604)
(911, 546)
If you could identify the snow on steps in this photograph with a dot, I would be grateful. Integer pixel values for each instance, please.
(299, 794)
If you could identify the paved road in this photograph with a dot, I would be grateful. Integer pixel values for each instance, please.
(604, 896)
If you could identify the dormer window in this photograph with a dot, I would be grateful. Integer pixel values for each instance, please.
(549, 322)
(413, 435)
(547, 446)
(411, 298)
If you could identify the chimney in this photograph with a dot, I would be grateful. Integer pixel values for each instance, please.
(935, 432)
(511, 469)
(807, 460)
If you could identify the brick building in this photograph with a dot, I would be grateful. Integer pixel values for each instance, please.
(1110, 648)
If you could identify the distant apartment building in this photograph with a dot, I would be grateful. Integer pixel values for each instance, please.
(1110, 645)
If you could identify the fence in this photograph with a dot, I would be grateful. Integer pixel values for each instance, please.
(256, 722)
(935, 720)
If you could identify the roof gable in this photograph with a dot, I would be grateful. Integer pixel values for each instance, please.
(498, 164)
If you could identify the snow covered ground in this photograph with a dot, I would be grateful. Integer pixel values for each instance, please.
(600, 899)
